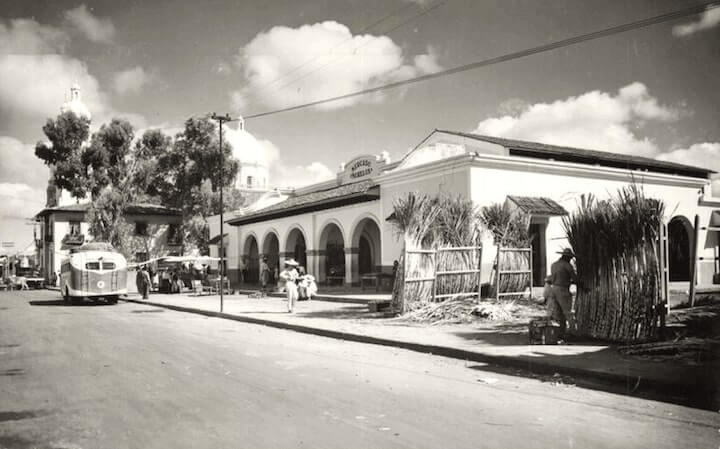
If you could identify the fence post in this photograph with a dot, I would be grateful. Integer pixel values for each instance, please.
(693, 265)
(479, 273)
(497, 275)
(530, 260)
(434, 286)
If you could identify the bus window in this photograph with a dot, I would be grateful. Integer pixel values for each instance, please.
(108, 265)
(92, 265)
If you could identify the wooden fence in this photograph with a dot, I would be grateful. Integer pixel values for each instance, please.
(435, 275)
(513, 272)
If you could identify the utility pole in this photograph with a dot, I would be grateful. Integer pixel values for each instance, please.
(221, 119)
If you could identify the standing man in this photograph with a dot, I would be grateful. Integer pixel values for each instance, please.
(562, 274)
(290, 276)
(147, 282)
(140, 281)
(264, 274)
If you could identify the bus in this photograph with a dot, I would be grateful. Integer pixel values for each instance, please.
(94, 270)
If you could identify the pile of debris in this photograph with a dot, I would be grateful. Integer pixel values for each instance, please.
(467, 310)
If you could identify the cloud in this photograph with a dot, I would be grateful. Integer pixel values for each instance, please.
(130, 80)
(595, 119)
(301, 175)
(709, 19)
(19, 201)
(36, 77)
(19, 163)
(286, 66)
(706, 155)
(252, 150)
(94, 28)
(26, 36)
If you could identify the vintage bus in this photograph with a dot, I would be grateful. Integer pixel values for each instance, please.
(94, 270)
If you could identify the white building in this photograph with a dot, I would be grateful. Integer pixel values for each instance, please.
(338, 229)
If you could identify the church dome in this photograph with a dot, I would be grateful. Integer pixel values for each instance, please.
(246, 148)
(75, 104)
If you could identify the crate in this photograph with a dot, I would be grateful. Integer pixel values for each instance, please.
(544, 332)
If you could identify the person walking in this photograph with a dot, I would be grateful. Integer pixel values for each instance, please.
(290, 276)
(562, 275)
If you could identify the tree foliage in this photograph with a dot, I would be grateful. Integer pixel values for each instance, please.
(66, 134)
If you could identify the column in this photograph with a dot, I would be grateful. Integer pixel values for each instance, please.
(352, 274)
(316, 260)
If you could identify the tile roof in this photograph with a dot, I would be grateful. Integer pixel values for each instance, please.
(134, 209)
(534, 205)
(317, 200)
(584, 156)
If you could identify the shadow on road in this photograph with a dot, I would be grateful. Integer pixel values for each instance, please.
(60, 302)
(12, 372)
(25, 414)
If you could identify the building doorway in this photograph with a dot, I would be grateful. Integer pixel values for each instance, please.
(252, 261)
(539, 255)
(679, 249)
(332, 266)
(366, 238)
(271, 250)
(296, 246)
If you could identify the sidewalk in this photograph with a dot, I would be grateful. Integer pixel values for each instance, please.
(504, 345)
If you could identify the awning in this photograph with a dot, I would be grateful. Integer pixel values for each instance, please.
(715, 219)
(537, 205)
(314, 201)
(216, 240)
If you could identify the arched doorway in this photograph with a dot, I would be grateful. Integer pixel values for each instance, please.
(679, 249)
(252, 260)
(296, 246)
(332, 265)
(366, 238)
(271, 250)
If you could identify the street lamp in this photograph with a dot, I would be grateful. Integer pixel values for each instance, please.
(222, 119)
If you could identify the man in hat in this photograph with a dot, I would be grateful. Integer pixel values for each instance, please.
(562, 274)
(264, 273)
(290, 276)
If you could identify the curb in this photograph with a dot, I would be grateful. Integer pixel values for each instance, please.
(630, 384)
(315, 297)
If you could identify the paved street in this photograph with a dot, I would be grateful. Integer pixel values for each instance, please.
(135, 376)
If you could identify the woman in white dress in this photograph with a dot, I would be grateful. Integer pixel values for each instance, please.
(290, 275)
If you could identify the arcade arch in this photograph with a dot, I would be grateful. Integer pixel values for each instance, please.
(680, 248)
(251, 258)
(332, 253)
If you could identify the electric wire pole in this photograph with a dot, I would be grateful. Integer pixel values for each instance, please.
(221, 119)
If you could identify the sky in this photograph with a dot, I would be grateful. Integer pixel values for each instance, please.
(653, 92)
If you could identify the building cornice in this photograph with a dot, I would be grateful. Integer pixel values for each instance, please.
(515, 163)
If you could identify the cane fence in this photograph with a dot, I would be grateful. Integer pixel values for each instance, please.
(435, 275)
(513, 272)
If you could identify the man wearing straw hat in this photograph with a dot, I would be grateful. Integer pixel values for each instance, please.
(562, 274)
(290, 275)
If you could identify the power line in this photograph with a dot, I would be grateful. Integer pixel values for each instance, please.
(314, 58)
(420, 14)
(510, 56)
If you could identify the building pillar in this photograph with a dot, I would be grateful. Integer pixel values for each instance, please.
(316, 263)
(352, 273)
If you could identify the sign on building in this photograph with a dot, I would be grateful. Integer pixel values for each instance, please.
(8, 244)
(362, 167)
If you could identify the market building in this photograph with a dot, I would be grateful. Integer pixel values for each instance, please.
(340, 231)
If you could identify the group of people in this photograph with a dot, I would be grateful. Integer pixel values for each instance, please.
(298, 285)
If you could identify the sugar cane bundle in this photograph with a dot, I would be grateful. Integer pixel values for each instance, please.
(615, 242)
(510, 229)
(427, 223)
